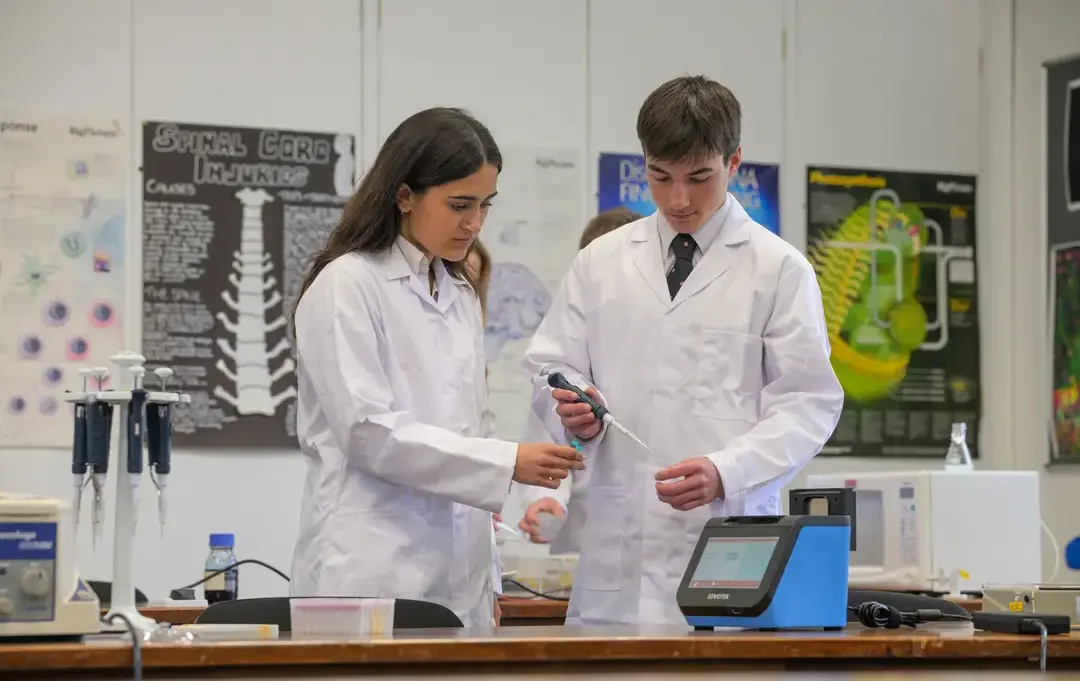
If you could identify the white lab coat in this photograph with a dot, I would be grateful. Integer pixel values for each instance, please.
(571, 494)
(736, 368)
(400, 487)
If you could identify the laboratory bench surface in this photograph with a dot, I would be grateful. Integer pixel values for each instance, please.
(518, 651)
(515, 611)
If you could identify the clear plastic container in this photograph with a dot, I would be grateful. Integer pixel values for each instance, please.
(958, 457)
(341, 617)
(224, 586)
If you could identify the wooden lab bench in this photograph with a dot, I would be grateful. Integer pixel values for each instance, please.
(547, 652)
(516, 612)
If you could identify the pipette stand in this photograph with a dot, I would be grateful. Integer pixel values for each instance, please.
(123, 585)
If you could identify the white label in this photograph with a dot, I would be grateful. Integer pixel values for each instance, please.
(215, 583)
(909, 528)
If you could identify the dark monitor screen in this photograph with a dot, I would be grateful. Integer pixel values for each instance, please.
(733, 562)
(1072, 144)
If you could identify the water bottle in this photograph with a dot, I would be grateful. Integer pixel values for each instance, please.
(958, 457)
(221, 587)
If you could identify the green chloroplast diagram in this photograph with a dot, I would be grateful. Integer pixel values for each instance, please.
(895, 258)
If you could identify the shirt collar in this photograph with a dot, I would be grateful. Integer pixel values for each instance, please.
(704, 236)
(419, 264)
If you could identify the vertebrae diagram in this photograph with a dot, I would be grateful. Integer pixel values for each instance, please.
(868, 269)
(248, 350)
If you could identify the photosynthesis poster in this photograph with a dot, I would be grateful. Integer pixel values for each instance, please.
(62, 266)
(1063, 239)
(623, 182)
(231, 217)
(895, 258)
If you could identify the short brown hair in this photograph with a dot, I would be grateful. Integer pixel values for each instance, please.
(605, 222)
(690, 117)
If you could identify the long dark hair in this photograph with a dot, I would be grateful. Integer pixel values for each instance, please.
(430, 148)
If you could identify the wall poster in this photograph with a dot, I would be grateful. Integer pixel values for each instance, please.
(63, 268)
(895, 258)
(1062, 188)
(230, 218)
(622, 182)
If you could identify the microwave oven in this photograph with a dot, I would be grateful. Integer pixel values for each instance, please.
(940, 530)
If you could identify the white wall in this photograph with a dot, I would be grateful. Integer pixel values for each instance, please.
(924, 85)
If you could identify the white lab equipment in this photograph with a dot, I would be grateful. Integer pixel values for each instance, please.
(144, 416)
(943, 530)
(41, 594)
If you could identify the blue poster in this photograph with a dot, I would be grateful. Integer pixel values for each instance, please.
(623, 183)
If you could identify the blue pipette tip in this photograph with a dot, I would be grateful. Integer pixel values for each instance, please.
(575, 444)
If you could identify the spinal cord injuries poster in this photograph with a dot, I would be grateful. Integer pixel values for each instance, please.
(62, 266)
(895, 258)
(231, 217)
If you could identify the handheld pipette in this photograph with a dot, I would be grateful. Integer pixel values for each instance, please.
(557, 380)
(80, 454)
(136, 419)
(99, 431)
(159, 443)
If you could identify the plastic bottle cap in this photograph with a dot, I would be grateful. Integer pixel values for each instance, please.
(1072, 554)
(224, 541)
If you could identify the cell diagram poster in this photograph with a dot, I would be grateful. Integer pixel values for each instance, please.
(62, 266)
(231, 217)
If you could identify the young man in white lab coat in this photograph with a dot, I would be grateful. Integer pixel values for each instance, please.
(703, 333)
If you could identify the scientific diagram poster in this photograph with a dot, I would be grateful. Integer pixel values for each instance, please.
(62, 266)
(532, 234)
(1063, 240)
(623, 182)
(895, 258)
(231, 217)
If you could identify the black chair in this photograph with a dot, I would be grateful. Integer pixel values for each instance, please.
(104, 593)
(408, 614)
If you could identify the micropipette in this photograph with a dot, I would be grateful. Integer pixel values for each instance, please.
(159, 444)
(99, 431)
(136, 418)
(557, 380)
(80, 454)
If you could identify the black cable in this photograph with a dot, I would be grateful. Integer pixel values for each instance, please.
(238, 563)
(508, 580)
(136, 644)
(878, 615)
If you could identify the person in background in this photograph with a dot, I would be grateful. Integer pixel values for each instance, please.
(400, 482)
(478, 267)
(567, 502)
(704, 334)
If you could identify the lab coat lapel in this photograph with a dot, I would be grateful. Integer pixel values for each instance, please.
(396, 266)
(720, 256)
(645, 251)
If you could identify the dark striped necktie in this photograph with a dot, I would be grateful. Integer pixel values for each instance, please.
(683, 246)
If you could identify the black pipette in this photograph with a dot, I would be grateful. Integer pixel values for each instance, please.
(558, 381)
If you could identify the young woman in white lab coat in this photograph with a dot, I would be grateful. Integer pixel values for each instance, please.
(401, 483)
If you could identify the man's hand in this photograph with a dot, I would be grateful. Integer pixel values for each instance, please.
(700, 484)
(496, 518)
(530, 522)
(577, 417)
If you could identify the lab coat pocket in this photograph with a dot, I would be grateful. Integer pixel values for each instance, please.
(729, 375)
(600, 562)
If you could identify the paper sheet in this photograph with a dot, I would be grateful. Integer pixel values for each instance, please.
(532, 233)
(62, 266)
